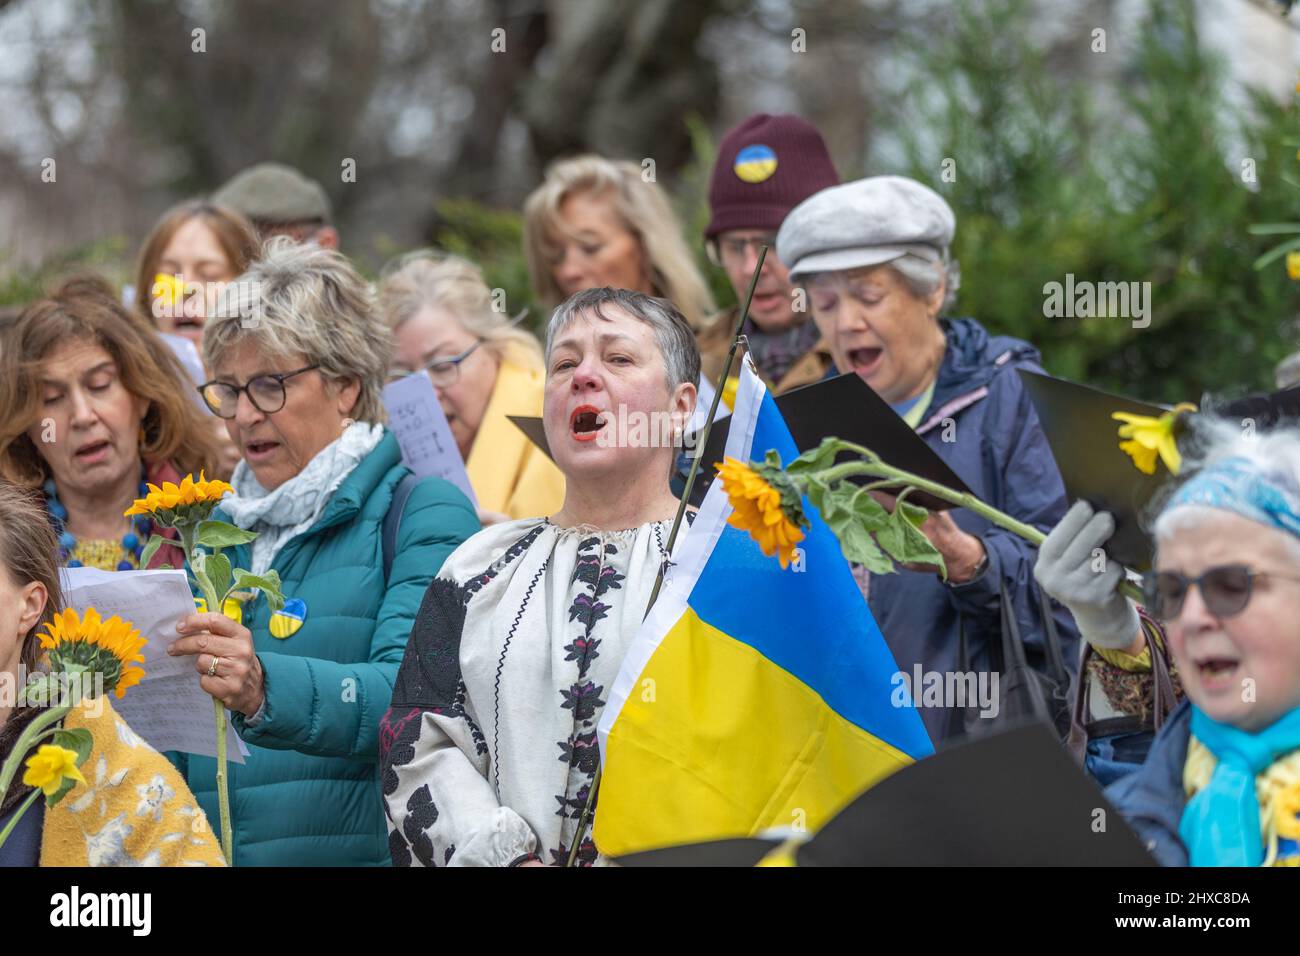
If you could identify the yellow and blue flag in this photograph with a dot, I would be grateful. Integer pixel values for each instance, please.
(754, 698)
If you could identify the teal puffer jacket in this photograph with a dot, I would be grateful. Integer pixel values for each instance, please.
(309, 793)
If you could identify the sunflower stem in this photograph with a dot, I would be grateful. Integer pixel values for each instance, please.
(210, 598)
(874, 467)
(33, 732)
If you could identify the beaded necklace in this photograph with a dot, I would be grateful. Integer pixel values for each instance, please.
(132, 542)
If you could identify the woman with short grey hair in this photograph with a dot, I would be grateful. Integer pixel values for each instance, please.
(490, 744)
(874, 258)
(298, 359)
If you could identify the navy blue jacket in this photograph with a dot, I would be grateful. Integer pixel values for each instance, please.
(1151, 798)
(982, 423)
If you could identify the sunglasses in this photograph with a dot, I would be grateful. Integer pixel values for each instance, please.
(1225, 590)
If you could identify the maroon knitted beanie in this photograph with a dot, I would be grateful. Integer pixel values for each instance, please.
(765, 167)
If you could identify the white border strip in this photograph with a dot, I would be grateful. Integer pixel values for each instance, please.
(693, 552)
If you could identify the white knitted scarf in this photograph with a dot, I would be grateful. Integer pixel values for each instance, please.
(279, 516)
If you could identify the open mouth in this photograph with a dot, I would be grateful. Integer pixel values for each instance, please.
(187, 323)
(585, 422)
(1217, 669)
(91, 450)
(259, 449)
(865, 361)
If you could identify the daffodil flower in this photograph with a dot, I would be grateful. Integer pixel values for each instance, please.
(1148, 438)
(49, 767)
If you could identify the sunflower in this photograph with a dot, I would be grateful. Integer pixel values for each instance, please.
(49, 767)
(765, 504)
(193, 499)
(1149, 437)
(110, 648)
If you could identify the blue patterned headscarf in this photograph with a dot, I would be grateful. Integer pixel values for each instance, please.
(1247, 488)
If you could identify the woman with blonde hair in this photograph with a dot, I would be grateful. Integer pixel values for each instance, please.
(92, 405)
(484, 368)
(597, 222)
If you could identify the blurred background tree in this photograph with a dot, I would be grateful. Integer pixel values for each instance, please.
(1126, 163)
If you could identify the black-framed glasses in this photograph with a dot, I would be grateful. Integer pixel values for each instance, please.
(266, 392)
(724, 251)
(1226, 590)
(443, 372)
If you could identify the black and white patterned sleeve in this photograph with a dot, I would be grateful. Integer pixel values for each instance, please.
(442, 809)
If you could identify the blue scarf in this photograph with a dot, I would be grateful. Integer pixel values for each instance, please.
(1220, 825)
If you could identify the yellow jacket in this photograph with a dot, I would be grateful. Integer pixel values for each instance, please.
(508, 472)
(133, 810)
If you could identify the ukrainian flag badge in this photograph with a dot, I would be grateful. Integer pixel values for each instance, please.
(755, 163)
(285, 622)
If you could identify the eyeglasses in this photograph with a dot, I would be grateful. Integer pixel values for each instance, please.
(726, 251)
(443, 372)
(1226, 590)
(266, 392)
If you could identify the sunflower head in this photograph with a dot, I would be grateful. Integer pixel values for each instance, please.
(187, 503)
(766, 504)
(91, 645)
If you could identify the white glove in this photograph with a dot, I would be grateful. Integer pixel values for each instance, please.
(1086, 585)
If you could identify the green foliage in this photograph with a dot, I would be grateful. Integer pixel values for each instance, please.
(1055, 176)
(494, 240)
(21, 285)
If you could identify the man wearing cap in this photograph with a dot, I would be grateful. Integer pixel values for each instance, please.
(281, 201)
(765, 167)
(873, 257)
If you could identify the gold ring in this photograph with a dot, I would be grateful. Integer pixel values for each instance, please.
(212, 668)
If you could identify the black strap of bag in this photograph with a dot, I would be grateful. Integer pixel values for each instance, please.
(393, 520)
(1024, 691)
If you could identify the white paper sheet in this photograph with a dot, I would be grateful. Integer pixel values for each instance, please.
(167, 708)
(421, 428)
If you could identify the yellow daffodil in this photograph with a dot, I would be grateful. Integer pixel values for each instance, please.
(1149, 437)
(771, 518)
(169, 290)
(49, 767)
(1293, 265)
(187, 494)
(110, 647)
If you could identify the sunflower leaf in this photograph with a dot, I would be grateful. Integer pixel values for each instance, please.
(268, 584)
(222, 534)
(151, 548)
(217, 568)
(905, 543)
(816, 459)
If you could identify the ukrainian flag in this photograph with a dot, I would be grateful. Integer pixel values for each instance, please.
(753, 698)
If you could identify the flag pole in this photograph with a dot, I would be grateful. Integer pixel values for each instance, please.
(680, 516)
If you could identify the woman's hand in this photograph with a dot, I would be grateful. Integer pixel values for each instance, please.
(237, 682)
(962, 552)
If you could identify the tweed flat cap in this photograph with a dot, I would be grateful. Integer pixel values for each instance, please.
(865, 223)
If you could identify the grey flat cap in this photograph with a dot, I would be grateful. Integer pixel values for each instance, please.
(865, 223)
(274, 193)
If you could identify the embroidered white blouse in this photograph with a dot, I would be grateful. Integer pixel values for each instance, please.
(489, 749)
